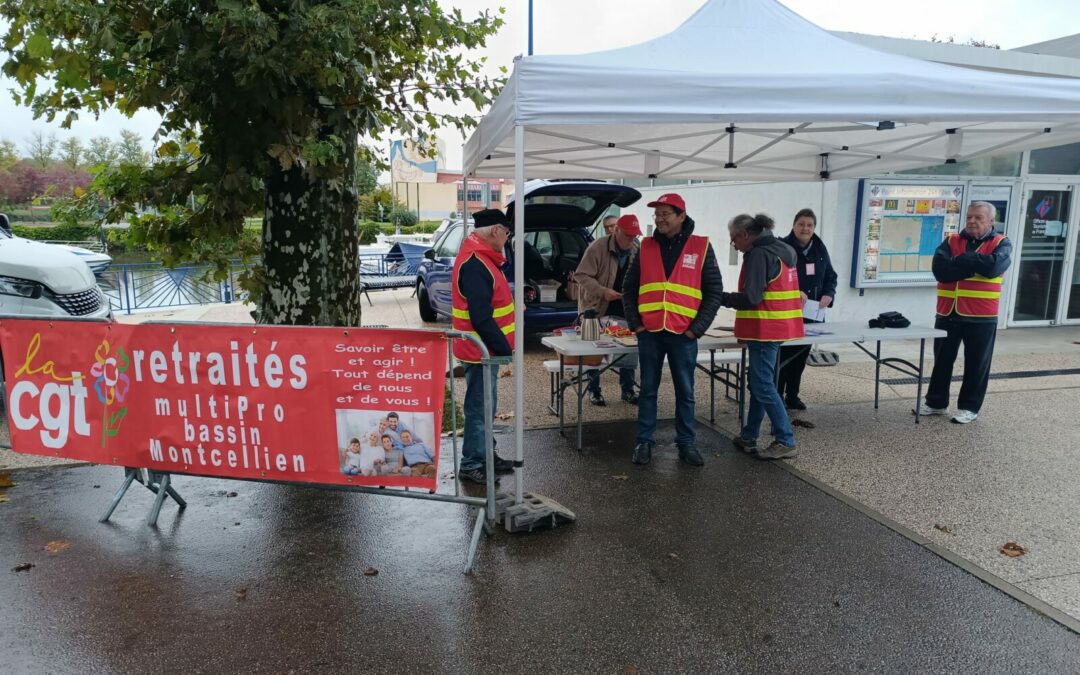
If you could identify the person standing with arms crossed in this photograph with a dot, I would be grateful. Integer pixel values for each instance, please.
(969, 268)
(484, 306)
(671, 295)
(817, 281)
(599, 277)
(768, 312)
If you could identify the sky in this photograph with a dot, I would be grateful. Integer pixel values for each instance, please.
(579, 26)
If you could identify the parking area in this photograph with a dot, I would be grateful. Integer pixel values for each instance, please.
(962, 490)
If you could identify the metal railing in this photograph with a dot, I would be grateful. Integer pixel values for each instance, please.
(141, 286)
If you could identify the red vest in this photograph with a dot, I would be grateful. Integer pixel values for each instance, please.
(975, 296)
(502, 300)
(671, 303)
(779, 315)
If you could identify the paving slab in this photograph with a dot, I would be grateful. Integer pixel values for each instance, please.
(738, 565)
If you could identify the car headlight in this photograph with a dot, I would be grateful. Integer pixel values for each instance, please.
(20, 287)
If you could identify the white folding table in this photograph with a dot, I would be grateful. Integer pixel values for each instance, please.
(824, 333)
(574, 348)
(858, 333)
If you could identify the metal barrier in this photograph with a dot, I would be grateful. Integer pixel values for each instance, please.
(131, 287)
(140, 286)
(160, 483)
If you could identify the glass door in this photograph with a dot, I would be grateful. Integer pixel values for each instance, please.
(1071, 309)
(1040, 266)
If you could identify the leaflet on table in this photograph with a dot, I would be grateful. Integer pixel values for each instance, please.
(813, 310)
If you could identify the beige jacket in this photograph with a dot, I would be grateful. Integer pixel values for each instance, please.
(597, 271)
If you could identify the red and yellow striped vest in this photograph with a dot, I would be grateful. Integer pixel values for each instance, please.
(671, 303)
(502, 300)
(975, 296)
(779, 315)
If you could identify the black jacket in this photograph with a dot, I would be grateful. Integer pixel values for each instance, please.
(948, 269)
(823, 280)
(760, 263)
(712, 284)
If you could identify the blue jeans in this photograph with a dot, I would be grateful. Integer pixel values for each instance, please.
(764, 399)
(681, 354)
(477, 420)
(626, 366)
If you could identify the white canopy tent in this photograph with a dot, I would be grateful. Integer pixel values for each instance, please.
(748, 90)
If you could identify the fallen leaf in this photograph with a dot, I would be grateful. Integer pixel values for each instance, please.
(5, 480)
(241, 594)
(673, 556)
(630, 670)
(621, 476)
(505, 416)
(1012, 549)
(506, 373)
(231, 494)
(57, 546)
(943, 528)
(371, 572)
(807, 424)
(22, 567)
(3, 498)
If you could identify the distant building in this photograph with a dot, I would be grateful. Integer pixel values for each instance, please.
(423, 185)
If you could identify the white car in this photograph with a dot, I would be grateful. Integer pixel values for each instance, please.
(97, 262)
(42, 280)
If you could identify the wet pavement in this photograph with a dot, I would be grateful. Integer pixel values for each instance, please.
(739, 565)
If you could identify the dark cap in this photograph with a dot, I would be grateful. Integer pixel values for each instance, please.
(489, 217)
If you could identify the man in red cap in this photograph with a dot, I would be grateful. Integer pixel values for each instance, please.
(671, 294)
(599, 277)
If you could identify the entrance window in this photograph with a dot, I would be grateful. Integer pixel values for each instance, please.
(1062, 159)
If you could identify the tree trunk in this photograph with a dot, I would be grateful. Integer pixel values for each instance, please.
(309, 246)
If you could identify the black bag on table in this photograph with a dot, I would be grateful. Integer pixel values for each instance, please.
(890, 320)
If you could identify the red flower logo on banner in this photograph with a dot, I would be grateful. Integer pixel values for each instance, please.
(111, 386)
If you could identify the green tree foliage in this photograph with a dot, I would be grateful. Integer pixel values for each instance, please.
(367, 176)
(130, 149)
(71, 152)
(41, 149)
(263, 104)
(369, 204)
(9, 154)
(100, 152)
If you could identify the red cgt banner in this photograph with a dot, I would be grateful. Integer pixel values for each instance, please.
(320, 405)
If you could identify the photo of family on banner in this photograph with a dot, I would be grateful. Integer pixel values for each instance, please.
(373, 443)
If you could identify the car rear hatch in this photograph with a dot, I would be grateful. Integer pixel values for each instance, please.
(570, 204)
(558, 217)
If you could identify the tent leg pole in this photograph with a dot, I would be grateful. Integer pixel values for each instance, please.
(519, 311)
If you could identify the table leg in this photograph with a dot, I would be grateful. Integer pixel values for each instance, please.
(580, 396)
(562, 392)
(712, 386)
(918, 387)
(877, 373)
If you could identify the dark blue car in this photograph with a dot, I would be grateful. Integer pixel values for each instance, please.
(559, 216)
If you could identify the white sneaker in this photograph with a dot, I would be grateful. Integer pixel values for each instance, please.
(965, 417)
(925, 410)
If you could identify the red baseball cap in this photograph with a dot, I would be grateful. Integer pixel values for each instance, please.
(670, 199)
(629, 224)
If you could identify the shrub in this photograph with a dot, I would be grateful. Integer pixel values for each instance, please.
(367, 231)
(57, 232)
(403, 217)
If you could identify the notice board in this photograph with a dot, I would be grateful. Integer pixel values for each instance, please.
(899, 226)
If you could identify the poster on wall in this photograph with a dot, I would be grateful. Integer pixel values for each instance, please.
(899, 227)
(320, 405)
